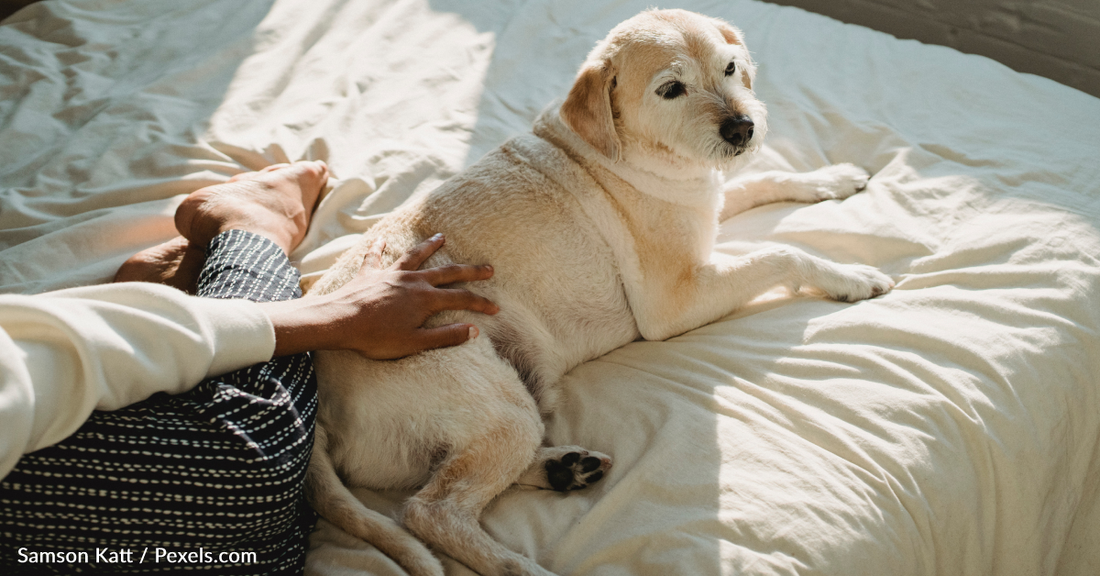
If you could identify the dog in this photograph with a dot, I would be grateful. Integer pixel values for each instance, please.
(600, 225)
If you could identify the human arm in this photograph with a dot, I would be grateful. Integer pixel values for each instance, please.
(67, 353)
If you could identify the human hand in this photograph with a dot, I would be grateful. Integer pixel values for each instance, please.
(381, 312)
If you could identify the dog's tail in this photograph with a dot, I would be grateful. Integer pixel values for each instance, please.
(333, 501)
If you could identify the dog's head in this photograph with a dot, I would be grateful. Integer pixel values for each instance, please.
(668, 83)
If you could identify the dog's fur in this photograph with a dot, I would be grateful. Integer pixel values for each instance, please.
(600, 227)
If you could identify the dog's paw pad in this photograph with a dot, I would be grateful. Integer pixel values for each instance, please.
(575, 470)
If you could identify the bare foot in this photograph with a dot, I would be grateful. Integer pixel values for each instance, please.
(275, 202)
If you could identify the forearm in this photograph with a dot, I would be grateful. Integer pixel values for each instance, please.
(70, 352)
(307, 324)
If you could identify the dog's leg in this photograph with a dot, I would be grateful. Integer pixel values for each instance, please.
(838, 181)
(445, 512)
(565, 468)
(336, 503)
(700, 294)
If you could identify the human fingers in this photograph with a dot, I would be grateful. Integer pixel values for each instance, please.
(457, 273)
(372, 260)
(457, 299)
(414, 258)
(449, 335)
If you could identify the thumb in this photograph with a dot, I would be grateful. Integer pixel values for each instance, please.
(449, 335)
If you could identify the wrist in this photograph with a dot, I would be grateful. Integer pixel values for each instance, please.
(300, 325)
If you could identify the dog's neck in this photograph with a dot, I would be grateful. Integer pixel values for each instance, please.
(654, 174)
(691, 185)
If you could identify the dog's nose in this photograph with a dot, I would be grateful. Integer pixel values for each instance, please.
(737, 130)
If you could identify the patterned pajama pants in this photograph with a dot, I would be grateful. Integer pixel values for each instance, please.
(204, 482)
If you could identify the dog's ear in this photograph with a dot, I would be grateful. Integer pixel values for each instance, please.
(587, 109)
(734, 36)
(730, 34)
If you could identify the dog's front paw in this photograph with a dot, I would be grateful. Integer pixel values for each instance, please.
(838, 181)
(854, 282)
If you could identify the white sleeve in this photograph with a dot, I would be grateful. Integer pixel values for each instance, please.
(64, 354)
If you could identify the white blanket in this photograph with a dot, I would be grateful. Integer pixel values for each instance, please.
(949, 427)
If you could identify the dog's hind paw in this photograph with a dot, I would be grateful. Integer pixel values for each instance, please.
(565, 468)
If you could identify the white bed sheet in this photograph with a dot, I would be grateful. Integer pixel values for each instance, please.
(950, 427)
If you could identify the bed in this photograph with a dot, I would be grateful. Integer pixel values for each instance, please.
(949, 427)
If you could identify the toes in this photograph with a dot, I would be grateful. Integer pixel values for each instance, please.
(593, 469)
(314, 172)
(848, 282)
(842, 180)
(880, 284)
(863, 282)
(571, 458)
(311, 176)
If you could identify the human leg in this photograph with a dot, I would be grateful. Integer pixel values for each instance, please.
(216, 472)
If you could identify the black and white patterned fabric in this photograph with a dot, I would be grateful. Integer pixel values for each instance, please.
(204, 482)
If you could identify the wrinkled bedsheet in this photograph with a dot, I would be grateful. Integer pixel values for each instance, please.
(949, 427)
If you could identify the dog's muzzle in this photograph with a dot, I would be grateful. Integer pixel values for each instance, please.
(737, 130)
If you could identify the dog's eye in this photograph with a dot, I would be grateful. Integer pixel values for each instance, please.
(671, 90)
(731, 68)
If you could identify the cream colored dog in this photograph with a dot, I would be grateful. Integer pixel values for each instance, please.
(600, 227)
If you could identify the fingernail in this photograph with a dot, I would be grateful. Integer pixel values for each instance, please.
(488, 267)
(436, 237)
(473, 332)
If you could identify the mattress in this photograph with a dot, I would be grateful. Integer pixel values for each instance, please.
(948, 427)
